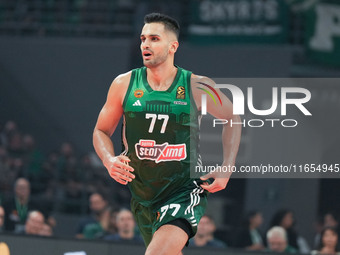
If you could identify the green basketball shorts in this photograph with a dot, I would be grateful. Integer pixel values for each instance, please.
(188, 204)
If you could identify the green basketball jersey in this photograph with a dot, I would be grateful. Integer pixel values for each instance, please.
(160, 136)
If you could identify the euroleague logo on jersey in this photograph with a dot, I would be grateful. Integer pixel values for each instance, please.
(148, 149)
(180, 93)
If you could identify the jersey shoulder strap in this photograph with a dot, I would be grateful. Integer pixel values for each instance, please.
(136, 75)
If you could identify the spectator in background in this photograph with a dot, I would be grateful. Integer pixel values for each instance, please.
(46, 230)
(18, 207)
(2, 219)
(277, 240)
(329, 242)
(50, 177)
(33, 160)
(71, 180)
(15, 146)
(98, 205)
(101, 228)
(9, 129)
(205, 234)
(34, 224)
(249, 236)
(285, 218)
(330, 219)
(67, 160)
(8, 176)
(126, 228)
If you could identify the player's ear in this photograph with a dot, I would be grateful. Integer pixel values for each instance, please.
(174, 46)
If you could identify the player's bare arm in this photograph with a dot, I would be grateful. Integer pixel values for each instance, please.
(107, 122)
(231, 135)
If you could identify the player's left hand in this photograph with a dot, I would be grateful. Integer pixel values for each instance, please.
(220, 181)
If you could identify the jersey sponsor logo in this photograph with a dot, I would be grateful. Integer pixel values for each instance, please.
(138, 93)
(180, 102)
(137, 103)
(148, 149)
(180, 93)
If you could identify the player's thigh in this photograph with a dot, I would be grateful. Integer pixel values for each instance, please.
(167, 240)
(143, 218)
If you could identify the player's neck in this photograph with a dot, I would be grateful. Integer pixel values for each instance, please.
(161, 77)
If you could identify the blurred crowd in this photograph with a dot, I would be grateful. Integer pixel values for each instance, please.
(280, 237)
(61, 176)
(34, 186)
(60, 181)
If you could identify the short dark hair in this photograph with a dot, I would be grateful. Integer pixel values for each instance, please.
(169, 23)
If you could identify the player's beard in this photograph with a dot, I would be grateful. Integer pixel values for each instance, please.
(156, 60)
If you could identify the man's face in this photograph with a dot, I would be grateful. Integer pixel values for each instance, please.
(125, 222)
(156, 44)
(257, 220)
(22, 189)
(277, 244)
(205, 226)
(34, 223)
(97, 203)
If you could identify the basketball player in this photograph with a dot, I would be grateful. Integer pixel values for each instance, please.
(160, 103)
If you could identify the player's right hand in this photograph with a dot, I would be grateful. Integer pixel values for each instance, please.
(119, 169)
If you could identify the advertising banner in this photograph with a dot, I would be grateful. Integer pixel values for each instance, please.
(234, 21)
(323, 32)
